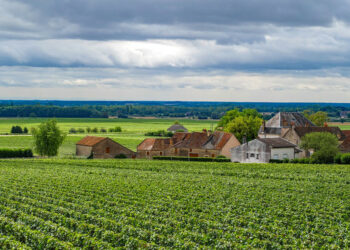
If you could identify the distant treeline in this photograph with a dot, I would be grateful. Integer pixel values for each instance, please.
(199, 110)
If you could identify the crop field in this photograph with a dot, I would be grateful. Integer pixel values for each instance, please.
(104, 204)
(132, 135)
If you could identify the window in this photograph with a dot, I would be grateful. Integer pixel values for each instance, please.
(257, 156)
(247, 155)
(213, 155)
(285, 156)
(190, 149)
(252, 155)
(107, 150)
(275, 156)
(175, 150)
(161, 153)
(147, 153)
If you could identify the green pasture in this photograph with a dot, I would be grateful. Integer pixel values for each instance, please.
(134, 204)
(134, 126)
(132, 135)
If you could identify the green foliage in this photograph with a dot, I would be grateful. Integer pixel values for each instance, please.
(48, 138)
(345, 158)
(118, 129)
(81, 130)
(121, 156)
(180, 158)
(94, 130)
(17, 130)
(319, 118)
(103, 130)
(161, 133)
(324, 145)
(244, 126)
(72, 131)
(176, 122)
(241, 124)
(109, 204)
(15, 153)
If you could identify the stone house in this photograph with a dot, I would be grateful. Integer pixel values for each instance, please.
(196, 144)
(102, 148)
(344, 147)
(153, 147)
(262, 150)
(282, 121)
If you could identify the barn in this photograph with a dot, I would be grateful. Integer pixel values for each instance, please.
(102, 148)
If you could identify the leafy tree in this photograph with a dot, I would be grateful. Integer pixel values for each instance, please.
(324, 145)
(25, 130)
(94, 130)
(72, 131)
(232, 114)
(88, 129)
(118, 129)
(244, 126)
(48, 138)
(176, 122)
(319, 118)
(16, 130)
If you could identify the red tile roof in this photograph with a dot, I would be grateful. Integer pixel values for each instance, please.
(90, 140)
(154, 144)
(192, 140)
(217, 140)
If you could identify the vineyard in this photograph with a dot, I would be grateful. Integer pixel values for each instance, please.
(63, 204)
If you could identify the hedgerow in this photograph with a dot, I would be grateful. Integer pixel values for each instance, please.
(15, 153)
(202, 159)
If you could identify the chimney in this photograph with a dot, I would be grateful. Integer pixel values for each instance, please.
(325, 125)
(244, 140)
(292, 124)
(263, 126)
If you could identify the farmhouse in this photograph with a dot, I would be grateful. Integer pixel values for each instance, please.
(196, 144)
(153, 147)
(344, 146)
(177, 128)
(101, 147)
(277, 125)
(262, 150)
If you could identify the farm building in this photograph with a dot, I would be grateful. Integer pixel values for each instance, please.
(153, 147)
(262, 150)
(101, 147)
(196, 144)
(277, 125)
(177, 128)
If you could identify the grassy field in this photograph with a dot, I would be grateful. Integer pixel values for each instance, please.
(107, 204)
(132, 135)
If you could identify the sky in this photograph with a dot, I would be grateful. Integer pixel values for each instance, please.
(186, 50)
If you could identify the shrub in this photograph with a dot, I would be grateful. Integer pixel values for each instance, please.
(221, 157)
(118, 129)
(120, 156)
(337, 159)
(81, 130)
(179, 158)
(345, 158)
(276, 161)
(25, 130)
(15, 153)
(111, 130)
(160, 133)
(72, 131)
(16, 130)
(94, 130)
(103, 130)
(88, 129)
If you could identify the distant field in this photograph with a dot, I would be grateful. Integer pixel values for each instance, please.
(105, 204)
(342, 126)
(132, 135)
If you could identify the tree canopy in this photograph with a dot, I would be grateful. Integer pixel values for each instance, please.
(245, 123)
(319, 118)
(48, 138)
(324, 145)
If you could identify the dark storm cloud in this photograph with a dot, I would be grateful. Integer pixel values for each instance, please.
(139, 19)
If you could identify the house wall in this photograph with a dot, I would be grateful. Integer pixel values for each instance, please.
(83, 150)
(282, 153)
(99, 150)
(256, 150)
(148, 154)
(264, 135)
(226, 150)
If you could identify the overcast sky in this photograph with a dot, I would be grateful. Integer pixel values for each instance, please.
(200, 50)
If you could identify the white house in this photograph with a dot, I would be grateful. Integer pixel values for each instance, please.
(262, 150)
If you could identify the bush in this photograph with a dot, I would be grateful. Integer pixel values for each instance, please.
(111, 130)
(337, 159)
(118, 129)
(81, 130)
(94, 130)
(221, 157)
(72, 131)
(120, 156)
(25, 130)
(15, 153)
(160, 133)
(16, 130)
(345, 158)
(88, 129)
(275, 161)
(179, 158)
(103, 130)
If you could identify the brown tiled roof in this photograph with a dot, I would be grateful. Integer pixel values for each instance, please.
(302, 131)
(90, 140)
(192, 140)
(154, 144)
(346, 132)
(217, 140)
(345, 146)
(277, 142)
